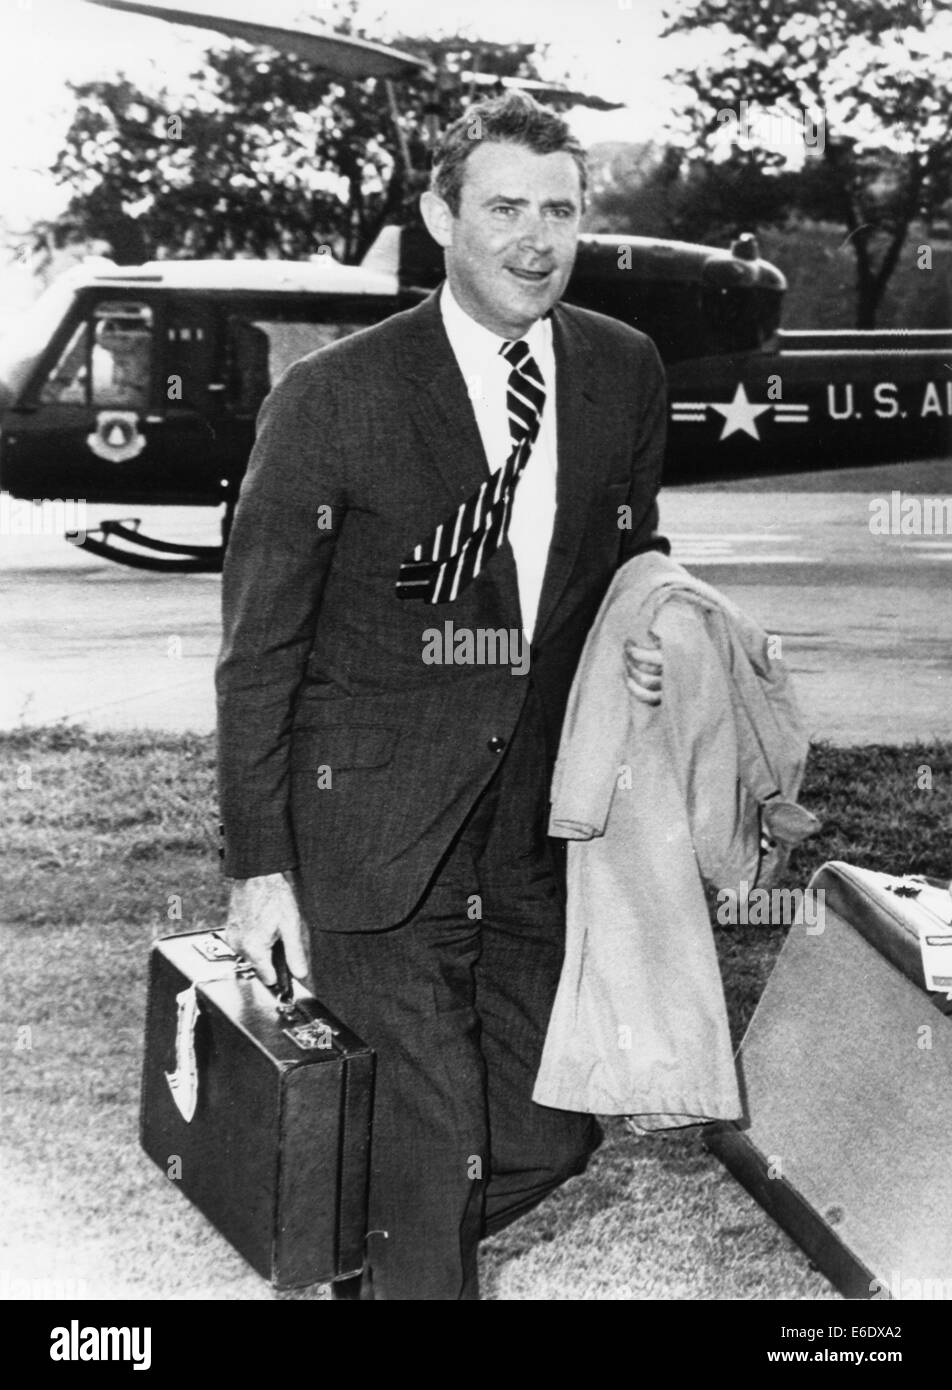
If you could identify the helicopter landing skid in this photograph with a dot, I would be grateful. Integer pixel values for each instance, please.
(166, 556)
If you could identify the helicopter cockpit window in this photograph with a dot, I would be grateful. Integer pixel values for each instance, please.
(107, 362)
(68, 382)
(121, 356)
(261, 350)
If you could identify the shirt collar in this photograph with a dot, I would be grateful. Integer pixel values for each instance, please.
(473, 342)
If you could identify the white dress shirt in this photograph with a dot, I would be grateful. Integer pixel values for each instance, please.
(486, 374)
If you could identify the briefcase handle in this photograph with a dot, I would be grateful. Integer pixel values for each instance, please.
(312, 1030)
(283, 990)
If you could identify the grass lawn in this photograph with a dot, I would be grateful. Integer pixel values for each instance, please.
(107, 837)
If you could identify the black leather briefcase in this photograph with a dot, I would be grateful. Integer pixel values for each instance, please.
(260, 1111)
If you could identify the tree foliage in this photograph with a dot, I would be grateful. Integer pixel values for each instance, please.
(660, 190)
(264, 156)
(878, 73)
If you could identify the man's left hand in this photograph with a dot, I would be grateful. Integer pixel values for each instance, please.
(643, 670)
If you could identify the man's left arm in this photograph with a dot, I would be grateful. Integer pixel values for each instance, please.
(647, 459)
(644, 664)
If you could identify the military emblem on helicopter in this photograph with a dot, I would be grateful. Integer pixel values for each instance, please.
(116, 437)
(740, 414)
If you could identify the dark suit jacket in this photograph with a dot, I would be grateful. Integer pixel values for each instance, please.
(321, 664)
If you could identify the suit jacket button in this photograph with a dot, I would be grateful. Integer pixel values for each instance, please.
(496, 744)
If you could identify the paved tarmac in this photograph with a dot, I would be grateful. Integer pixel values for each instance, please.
(865, 620)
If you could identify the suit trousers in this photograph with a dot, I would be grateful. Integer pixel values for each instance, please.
(456, 1001)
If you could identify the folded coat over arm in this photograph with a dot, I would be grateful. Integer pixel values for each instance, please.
(655, 801)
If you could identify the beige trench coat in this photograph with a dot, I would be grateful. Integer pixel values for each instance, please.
(653, 801)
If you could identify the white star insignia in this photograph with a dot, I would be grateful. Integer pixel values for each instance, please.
(740, 414)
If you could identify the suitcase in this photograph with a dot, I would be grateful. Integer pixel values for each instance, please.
(259, 1110)
(846, 1077)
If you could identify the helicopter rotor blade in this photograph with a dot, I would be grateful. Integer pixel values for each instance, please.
(338, 54)
(541, 90)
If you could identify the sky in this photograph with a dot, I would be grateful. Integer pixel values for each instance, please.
(610, 47)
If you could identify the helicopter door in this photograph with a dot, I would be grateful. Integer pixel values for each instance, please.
(245, 374)
(193, 400)
(85, 430)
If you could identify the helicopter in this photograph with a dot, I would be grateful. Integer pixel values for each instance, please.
(141, 385)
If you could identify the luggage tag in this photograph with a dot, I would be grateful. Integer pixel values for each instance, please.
(183, 1081)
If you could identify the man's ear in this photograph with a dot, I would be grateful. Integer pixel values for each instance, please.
(438, 218)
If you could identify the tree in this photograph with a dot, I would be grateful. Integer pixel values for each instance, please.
(868, 82)
(264, 156)
(657, 190)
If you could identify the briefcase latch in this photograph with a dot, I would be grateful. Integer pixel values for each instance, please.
(317, 1035)
(211, 946)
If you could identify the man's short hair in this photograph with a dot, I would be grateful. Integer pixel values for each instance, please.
(515, 119)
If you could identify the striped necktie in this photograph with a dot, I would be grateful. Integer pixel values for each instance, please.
(450, 559)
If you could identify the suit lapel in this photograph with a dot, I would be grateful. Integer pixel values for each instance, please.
(576, 424)
(441, 407)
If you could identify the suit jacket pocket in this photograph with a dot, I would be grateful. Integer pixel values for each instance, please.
(340, 746)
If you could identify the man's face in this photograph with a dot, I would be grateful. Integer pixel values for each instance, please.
(510, 251)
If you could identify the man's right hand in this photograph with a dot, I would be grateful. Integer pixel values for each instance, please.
(259, 911)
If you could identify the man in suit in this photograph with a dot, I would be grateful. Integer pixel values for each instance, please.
(486, 460)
